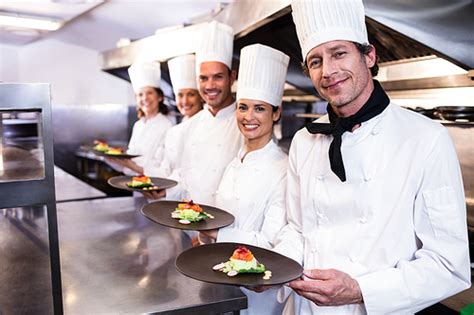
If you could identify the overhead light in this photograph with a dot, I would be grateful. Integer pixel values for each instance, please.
(38, 23)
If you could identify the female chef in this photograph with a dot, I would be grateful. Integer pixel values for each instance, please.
(148, 134)
(253, 186)
(189, 102)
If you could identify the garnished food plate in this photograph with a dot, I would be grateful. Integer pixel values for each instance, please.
(163, 212)
(102, 148)
(157, 183)
(201, 263)
(115, 154)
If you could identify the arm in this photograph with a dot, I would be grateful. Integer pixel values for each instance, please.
(128, 165)
(290, 241)
(440, 268)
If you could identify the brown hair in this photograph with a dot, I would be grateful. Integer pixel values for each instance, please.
(162, 108)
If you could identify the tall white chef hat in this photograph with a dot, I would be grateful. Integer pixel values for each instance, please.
(216, 43)
(143, 73)
(321, 21)
(182, 72)
(262, 73)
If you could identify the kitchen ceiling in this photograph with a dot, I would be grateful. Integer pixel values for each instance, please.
(98, 25)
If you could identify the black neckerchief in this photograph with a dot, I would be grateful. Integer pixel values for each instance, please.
(375, 105)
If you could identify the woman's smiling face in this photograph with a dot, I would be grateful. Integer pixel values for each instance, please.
(255, 119)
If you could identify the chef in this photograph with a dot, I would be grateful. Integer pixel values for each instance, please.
(375, 198)
(211, 138)
(148, 133)
(253, 185)
(189, 102)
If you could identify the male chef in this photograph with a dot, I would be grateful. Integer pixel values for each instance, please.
(375, 198)
(211, 138)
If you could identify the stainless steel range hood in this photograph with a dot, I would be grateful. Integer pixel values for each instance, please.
(400, 31)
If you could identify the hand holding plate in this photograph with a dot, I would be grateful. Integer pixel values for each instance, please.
(154, 194)
(328, 287)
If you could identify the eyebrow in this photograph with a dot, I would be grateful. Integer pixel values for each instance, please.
(212, 74)
(331, 49)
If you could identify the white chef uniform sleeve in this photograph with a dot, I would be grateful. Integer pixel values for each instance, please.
(441, 267)
(290, 241)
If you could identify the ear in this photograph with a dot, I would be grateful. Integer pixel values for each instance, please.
(277, 114)
(371, 57)
(233, 76)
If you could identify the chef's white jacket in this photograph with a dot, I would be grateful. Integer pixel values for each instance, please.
(253, 190)
(148, 138)
(208, 143)
(397, 225)
(165, 166)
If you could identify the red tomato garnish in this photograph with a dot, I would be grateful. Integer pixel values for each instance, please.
(242, 253)
(189, 205)
(142, 179)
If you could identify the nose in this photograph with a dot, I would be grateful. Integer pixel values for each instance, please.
(210, 84)
(248, 114)
(328, 67)
(185, 100)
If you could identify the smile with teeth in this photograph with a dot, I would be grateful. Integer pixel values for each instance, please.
(250, 126)
(212, 93)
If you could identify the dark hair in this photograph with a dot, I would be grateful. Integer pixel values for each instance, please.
(364, 49)
(162, 108)
(274, 110)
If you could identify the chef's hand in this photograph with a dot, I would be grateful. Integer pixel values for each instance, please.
(212, 234)
(328, 287)
(154, 194)
(128, 163)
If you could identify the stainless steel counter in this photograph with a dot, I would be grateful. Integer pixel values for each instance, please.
(113, 260)
(69, 187)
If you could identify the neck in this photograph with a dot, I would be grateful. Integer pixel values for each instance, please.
(215, 109)
(354, 106)
(256, 144)
(150, 115)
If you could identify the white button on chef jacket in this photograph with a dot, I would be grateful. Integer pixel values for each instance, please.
(401, 234)
(202, 161)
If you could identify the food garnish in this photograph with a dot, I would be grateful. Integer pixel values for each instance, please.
(101, 146)
(242, 261)
(114, 151)
(143, 182)
(189, 212)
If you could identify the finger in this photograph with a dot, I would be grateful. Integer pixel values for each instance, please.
(315, 286)
(316, 298)
(147, 195)
(261, 288)
(319, 274)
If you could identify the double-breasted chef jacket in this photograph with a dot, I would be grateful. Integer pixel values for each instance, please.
(166, 165)
(397, 225)
(253, 190)
(147, 140)
(208, 144)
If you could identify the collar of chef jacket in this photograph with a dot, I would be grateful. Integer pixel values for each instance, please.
(223, 113)
(370, 127)
(255, 155)
(158, 116)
